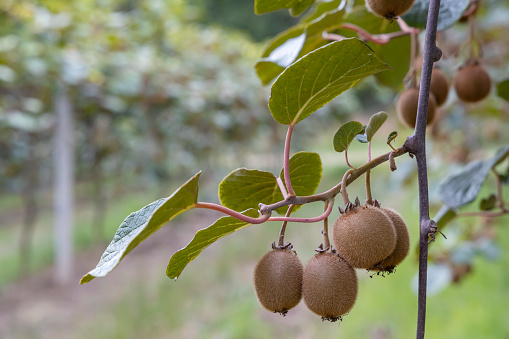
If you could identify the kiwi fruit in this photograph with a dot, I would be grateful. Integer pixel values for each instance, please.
(406, 107)
(364, 236)
(329, 286)
(389, 9)
(472, 83)
(402, 243)
(278, 280)
(439, 86)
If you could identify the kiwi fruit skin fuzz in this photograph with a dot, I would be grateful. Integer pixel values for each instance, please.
(402, 243)
(472, 83)
(439, 86)
(278, 280)
(329, 286)
(364, 236)
(406, 107)
(389, 9)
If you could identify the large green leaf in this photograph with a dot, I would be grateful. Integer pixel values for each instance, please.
(202, 239)
(265, 6)
(375, 122)
(463, 187)
(319, 77)
(322, 7)
(305, 173)
(141, 224)
(294, 43)
(450, 12)
(244, 188)
(301, 7)
(345, 135)
(503, 90)
(396, 53)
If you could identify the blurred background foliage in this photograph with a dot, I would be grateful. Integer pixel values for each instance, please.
(162, 89)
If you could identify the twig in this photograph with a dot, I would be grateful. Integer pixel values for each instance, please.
(283, 227)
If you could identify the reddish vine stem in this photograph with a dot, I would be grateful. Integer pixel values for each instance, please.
(417, 146)
(326, 241)
(286, 164)
(344, 193)
(281, 242)
(369, 197)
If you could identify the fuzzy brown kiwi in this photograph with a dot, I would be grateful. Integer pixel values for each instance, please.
(364, 236)
(472, 83)
(406, 107)
(439, 86)
(278, 280)
(389, 9)
(329, 286)
(402, 243)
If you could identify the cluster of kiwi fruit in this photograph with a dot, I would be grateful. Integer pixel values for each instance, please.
(368, 237)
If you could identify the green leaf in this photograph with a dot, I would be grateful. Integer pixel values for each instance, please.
(503, 90)
(462, 188)
(202, 239)
(305, 173)
(265, 6)
(294, 43)
(391, 137)
(322, 7)
(301, 7)
(396, 53)
(141, 224)
(319, 77)
(450, 12)
(376, 121)
(345, 135)
(244, 188)
(488, 203)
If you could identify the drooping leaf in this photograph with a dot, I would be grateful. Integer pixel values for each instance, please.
(294, 43)
(391, 137)
(202, 239)
(450, 12)
(301, 7)
(463, 253)
(244, 188)
(444, 215)
(503, 90)
(375, 122)
(462, 188)
(139, 225)
(488, 203)
(319, 77)
(305, 173)
(266, 6)
(396, 53)
(345, 135)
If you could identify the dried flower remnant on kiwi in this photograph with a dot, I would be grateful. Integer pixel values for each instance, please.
(278, 280)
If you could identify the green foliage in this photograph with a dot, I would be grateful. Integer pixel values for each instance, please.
(463, 187)
(345, 135)
(244, 188)
(503, 90)
(396, 53)
(488, 203)
(319, 77)
(265, 6)
(202, 239)
(141, 224)
(375, 122)
(450, 12)
(305, 173)
(294, 43)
